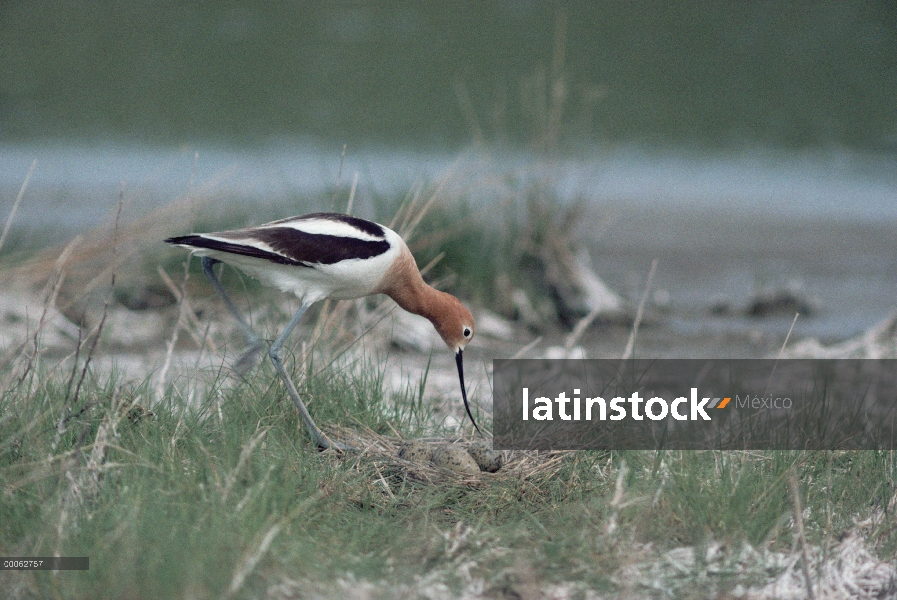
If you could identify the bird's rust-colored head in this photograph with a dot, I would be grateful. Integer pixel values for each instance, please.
(453, 322)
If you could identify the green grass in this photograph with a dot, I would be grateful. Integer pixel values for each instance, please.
(185, 497)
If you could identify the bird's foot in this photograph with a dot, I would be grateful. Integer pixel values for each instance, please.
(325, 443)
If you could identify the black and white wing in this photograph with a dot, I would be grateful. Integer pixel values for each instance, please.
(306, 241)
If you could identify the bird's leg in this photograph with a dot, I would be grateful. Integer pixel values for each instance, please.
(251, 355)
(275, 352)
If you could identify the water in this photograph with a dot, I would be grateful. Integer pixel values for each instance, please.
(721, 225)
(76, 184)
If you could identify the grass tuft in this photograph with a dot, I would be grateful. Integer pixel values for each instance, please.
(228, 504)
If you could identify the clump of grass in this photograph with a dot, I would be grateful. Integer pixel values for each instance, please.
(487, 252)
(469, 254)
(227, 498)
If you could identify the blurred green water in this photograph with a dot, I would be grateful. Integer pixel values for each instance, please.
(437, 74)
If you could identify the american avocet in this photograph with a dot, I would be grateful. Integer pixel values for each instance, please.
(329, 255)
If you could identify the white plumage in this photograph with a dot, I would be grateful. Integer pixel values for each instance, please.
(343, 280)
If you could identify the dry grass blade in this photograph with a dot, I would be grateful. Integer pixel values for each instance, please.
(407, 206)
(173, 340)
(352, 194)
(432, 263)
(581, 327)
(522, 352)
(630, 344)
(781, 351)
(86, 485)
(413, 220)
(251, 559)
(245, 453)
(15, 205)
(384, 483)
(617, 502)
(53, 287)
(794, 487)
(75, 361)
(189, 313)
(99, 330)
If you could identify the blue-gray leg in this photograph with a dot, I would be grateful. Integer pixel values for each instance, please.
(247, 360)
(276, 354)
(251, 355)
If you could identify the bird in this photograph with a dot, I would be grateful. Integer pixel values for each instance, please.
(329, 255)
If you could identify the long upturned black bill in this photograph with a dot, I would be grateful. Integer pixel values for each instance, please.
(460, 363)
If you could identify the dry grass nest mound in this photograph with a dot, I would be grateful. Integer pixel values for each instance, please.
(469, 462)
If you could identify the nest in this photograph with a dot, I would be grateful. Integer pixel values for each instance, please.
(394, 457)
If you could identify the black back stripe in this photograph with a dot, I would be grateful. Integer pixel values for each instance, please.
(290, 246)
(362, 225)
(317, 248)
(198, 241)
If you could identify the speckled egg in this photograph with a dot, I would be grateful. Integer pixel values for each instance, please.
(417, 452)
(455, 459)
(488, 459)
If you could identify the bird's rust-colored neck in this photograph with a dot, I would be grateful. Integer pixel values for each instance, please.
(404, 284)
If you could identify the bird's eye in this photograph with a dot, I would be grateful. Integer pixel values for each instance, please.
(466, 332)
